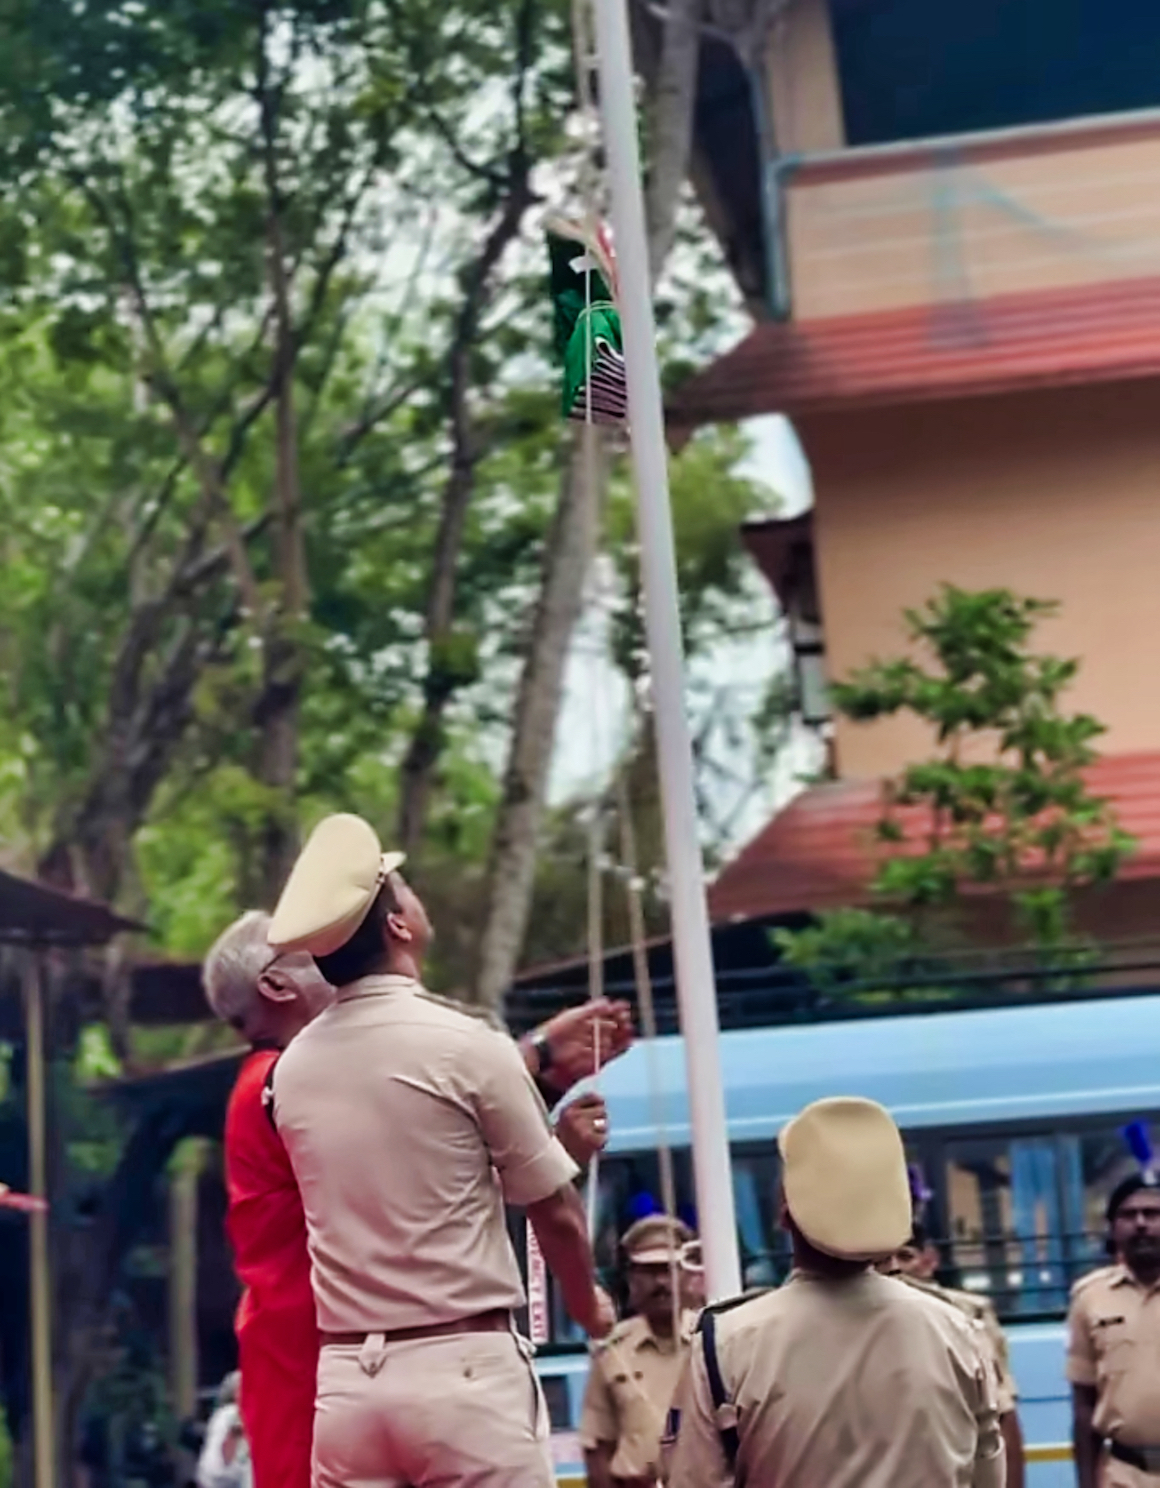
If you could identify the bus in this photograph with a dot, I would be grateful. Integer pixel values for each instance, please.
(1014, 1116)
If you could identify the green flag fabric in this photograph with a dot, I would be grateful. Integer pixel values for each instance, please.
(587, 333)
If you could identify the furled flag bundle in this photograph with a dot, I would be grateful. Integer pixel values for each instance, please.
(587, 324)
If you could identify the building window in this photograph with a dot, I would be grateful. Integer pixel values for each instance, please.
(909, 69)
(784, 548)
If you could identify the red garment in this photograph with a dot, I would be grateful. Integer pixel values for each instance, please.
(276, 1327)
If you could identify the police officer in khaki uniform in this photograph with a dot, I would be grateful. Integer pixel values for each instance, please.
(842, 1378)
(409, 1124)
(1113, 1356)
(916, 1263)
(635, 1370)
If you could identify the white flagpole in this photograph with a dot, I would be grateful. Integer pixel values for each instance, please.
(696, 990)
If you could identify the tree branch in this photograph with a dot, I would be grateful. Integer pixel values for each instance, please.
(466, 449)
(208, 474)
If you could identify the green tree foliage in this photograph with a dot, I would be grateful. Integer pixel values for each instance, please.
(157, 456)
(155, 579)
(1002, 805)
(271, 315)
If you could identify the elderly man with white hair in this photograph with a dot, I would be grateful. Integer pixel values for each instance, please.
(268, 997)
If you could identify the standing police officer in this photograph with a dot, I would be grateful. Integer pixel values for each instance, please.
(916, 1264)
(269, 998)
(408, 1124)
(635, 1370)
(1113, 1357)
(842, 1378)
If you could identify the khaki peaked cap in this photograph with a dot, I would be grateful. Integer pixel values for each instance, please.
(331, 887)
(845, 1180)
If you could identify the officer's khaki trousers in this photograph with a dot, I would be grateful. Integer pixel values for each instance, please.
(464, 1411)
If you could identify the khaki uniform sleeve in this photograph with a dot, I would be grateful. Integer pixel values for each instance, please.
(990, 1454)
(1006, 1389)
(1081, 1354)
(530, 1161)
(697, 1459)
(598, 1413)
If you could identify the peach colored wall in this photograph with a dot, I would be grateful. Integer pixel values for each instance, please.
(803, 81)
(878, 233)
(1053, 493)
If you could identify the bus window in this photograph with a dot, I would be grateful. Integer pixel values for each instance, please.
(978, 1200)
(1025, 1214)
(764, 1246)
(1104, 1160)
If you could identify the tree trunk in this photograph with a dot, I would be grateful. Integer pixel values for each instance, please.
(567, 560)
(276, 713)
(442, 678)
(672, 96)
(449, 665)
(276, 719)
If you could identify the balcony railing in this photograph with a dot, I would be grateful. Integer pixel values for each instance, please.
(751, 996)
(970, 218)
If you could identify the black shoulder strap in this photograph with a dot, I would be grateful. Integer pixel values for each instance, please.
(268, 1095)
(724, 1411)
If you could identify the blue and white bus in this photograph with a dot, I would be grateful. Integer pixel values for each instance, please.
(1014, 1114)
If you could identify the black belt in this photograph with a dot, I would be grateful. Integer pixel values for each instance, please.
(1144, 1459)
(499, 1320)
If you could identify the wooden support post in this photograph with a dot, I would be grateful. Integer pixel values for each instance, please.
(40, 1284)
(185, 1171)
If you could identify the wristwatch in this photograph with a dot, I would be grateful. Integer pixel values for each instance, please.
(543, 1050)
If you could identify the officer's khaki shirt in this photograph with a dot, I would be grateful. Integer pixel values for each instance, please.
(861, 1383)
(408, 1124)
(631, 1382)
(1114, 1344)
(992, 1340)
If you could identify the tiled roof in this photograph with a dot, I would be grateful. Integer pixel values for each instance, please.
(1102, 333)
(818, 853)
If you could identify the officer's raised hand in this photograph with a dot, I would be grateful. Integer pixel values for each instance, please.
(579, 1041)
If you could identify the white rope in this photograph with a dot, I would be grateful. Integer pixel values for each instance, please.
(644, 991)
(648, 1018)
(595, 984)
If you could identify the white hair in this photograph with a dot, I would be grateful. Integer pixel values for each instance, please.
(230, 1387)
(233, 965)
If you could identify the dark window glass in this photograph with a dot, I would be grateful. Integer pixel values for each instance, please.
(1025, 1213)
(559, 1403)
(910, 69)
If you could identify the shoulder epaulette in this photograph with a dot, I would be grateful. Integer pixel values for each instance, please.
(617, 1335)
(1101, 1273)
(960, 1302)
(718, 1309)
(468, 1009)
(725, 1414)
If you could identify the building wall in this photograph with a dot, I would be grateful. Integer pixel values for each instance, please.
(1053, 493)
(803, 81)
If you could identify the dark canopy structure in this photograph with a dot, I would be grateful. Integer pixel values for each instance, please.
(37, 919)
(33, 915)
